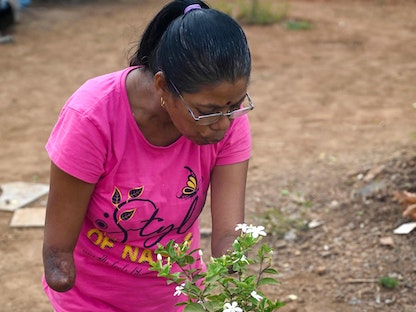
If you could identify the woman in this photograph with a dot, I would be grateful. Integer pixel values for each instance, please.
(133, 154)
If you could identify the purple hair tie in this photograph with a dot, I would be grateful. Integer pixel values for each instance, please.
(191, 7)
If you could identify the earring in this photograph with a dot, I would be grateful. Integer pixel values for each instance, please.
(162, 102)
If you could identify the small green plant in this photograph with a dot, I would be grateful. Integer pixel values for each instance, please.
(261, 12)
(257, 12)
(388, 282)
(225, 6)
(279, 223)
(297, 24)
(360, 213)
(227, 285)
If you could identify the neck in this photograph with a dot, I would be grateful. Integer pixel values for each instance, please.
(151, 118)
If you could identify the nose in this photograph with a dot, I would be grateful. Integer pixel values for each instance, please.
(222, 124)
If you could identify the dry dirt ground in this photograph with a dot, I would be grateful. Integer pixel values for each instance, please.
(334, 135)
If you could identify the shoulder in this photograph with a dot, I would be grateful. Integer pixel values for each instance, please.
(100, 92)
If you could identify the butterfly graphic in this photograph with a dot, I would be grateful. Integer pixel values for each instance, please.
(191, 187)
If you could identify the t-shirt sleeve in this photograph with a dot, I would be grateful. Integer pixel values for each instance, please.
(237, 143)
(77, 146)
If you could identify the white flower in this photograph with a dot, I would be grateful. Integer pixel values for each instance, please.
(242, 226)
(159, 257)
(243, 259)
(256, 231)
(232, 307)
(200, 252)
(178, 290)
(256, 296)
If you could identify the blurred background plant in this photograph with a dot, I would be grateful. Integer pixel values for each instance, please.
(283, 222)
(257, 12)
(262, 12)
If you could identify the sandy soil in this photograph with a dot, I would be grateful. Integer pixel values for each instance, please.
(332, 103)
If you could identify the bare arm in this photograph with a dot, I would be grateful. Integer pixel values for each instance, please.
(228, 185)
(67, 204)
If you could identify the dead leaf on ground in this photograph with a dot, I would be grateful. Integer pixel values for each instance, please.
(410, 212)
(373, 172)
(407, 199)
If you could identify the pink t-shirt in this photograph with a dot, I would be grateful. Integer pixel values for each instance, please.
(144, 195)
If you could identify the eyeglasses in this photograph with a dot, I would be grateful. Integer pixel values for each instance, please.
(208, 119)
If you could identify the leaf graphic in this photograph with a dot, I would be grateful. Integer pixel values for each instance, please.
(126, 215)
(136, 192)
(116, 197)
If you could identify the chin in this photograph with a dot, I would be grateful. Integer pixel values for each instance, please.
(202, 141)
(213, 141)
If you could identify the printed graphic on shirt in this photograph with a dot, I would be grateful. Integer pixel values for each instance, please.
(191, 187)
(137, 217)
(136, 225)
(133, 254)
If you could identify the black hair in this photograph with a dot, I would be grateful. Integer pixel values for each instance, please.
(200, 48)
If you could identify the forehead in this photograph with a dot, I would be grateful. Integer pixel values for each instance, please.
(224, 93)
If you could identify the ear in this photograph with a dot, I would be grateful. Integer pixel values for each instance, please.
(161, 85)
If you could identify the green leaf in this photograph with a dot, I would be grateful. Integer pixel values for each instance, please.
(249, 279)
(388, 282)
(270, 271)
(194, 307)
(189, 259)
(267, 280)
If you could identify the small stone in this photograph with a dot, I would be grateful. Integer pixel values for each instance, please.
(321, 270)
(281, 245)
(291, 236)
(354, 301)
(314, 224)
(334, 204)
(292, 297)
(390, 301)
(387, 241)
(326, 254)
(351, 226)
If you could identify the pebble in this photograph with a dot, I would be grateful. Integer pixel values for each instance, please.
(354, 301)
(321, 270)
(292, 297)
(291, 236)
(387, 241)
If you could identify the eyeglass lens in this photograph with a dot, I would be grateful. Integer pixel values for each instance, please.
(243, 110)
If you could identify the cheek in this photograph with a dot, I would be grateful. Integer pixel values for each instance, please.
(182, 124)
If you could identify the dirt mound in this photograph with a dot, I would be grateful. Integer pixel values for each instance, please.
(333, 250)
